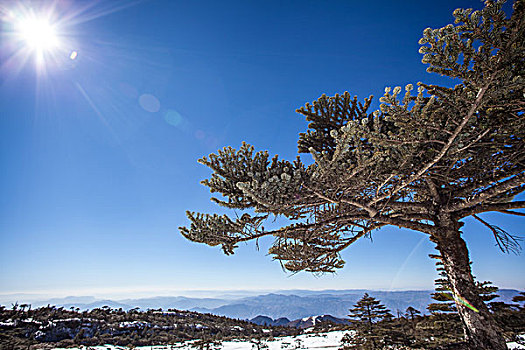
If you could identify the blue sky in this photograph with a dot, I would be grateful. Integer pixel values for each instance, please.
(99, 153)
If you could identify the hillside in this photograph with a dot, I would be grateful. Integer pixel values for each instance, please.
(21, 327)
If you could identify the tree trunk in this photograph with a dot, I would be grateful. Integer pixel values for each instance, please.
(479, 326)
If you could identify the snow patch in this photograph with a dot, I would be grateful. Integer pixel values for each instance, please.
(325, 341)
(520, 344)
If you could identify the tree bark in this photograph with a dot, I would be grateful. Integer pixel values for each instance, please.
(481, 331)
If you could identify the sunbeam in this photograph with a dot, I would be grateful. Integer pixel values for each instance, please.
(44, 32)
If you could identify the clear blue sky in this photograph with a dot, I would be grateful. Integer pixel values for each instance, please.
(99, 153)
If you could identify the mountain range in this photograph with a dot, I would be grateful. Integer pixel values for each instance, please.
(291, 304)
(301, 323)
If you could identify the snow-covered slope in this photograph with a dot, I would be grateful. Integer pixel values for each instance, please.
(325, 341)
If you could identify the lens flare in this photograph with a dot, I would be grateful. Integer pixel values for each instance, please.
(460, 300)
(149, 103)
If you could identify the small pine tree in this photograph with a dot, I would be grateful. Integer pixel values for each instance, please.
(371, 316)
(353, 341)
(444, 296)
(520, 298)
(487, 291)
(412, 312)
(258, 344)
(368, 310)
(510, 317)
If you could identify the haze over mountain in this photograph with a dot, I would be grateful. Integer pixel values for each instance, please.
(290, 304)
(294, 306)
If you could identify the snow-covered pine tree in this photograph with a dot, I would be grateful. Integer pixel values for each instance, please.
(422, 162)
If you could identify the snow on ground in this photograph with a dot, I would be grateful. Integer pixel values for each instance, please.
(325, 341)
(515, 345)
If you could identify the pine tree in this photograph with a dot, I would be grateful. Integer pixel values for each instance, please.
(445, 297)
(487, 291)
(368, 310)
(423, 161)
(412, 313)
(510, 317)
(519, 298)
(354, 341)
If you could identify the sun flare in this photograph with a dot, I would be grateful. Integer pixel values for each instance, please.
(35, 33)
(38, 33)
(46, 33)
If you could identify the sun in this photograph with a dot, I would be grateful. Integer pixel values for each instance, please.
(46, 32)
(38, 34)
(35, 31)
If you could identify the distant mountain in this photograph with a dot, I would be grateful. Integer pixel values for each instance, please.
(338, 304)
(315, 320)
(283, 321)
(267, 321)
(289, 306)
(70, 300)
(306, 322)
(97, 305)
(165, 303)
(506, 295)
(296, 307)
(263, 320)
(307, 292)
(293, 305)
(181, 303)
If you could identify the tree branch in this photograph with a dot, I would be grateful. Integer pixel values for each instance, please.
(420, 206)
(371, 211)
(491, 192)
(475, 106)
(256, 236)
(433, 189)
(505, 241)
(359, 235)
(412, 225)
(484, 182)
(341, 219)
(473, 142)
(483, 208)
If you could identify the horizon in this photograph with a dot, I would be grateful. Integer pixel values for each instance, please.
(21, 298)
(100, 142)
